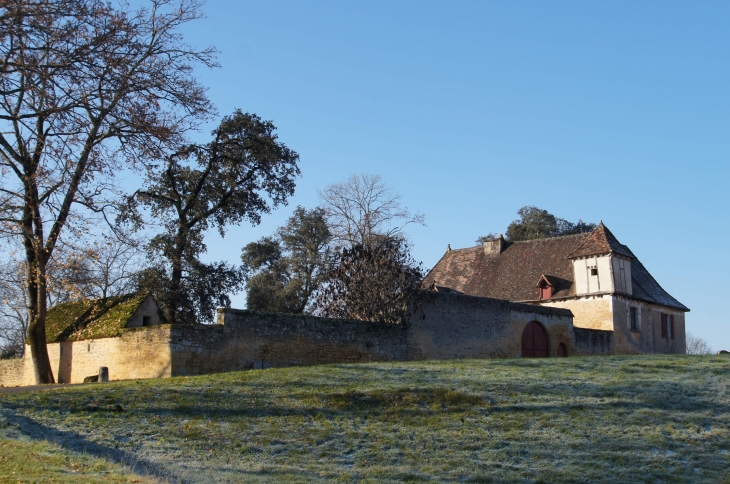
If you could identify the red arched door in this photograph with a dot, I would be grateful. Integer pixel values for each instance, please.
(534, 341)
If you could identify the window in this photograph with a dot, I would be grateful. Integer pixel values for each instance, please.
(667, 326)
(146, 320)
(634, 318)
(594, 271)
(621, 283)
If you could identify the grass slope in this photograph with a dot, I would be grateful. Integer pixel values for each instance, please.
(611, 419)
(23, 461)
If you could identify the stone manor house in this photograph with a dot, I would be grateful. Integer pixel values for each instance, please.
(575, 295)
(597, 278)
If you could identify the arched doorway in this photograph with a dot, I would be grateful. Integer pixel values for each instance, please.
(562, 350)
(534, 341)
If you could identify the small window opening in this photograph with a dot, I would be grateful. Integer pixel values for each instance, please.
(594, 271)
(634, 319)
(146, 320)
(91, 347)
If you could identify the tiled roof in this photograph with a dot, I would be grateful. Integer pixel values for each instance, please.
(601, 242)
(513, 274)
(646, 288)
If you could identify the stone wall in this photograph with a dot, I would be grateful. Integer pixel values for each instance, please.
(443, 326)
(447, 326)
(138, 353)
(590, 312)
(12, 372)
(592, 342)
(251, 339)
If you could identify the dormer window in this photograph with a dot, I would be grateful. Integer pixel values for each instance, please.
(545, 288)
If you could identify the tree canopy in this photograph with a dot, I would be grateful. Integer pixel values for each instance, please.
(536, 223)
(241, 174)
(372, 282)
(362, 208)
(285, 271)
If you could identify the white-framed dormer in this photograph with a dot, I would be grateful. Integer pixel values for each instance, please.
(593, 275)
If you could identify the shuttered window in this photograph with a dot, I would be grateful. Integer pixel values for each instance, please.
(667, 326)
(634, 319)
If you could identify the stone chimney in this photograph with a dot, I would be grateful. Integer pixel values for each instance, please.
(494, 246)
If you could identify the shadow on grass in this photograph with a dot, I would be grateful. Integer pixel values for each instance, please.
(77, 443)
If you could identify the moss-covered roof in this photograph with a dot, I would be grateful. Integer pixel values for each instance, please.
(91, 318)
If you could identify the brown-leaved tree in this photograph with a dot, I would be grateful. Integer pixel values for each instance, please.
(372, 282)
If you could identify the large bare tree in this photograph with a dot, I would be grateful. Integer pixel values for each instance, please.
(13, 314)
(363, 208)
(86, 90)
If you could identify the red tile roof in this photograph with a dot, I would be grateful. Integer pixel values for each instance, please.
(600, 242)
(513, 274)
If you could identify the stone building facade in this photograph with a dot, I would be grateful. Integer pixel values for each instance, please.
(593, 275)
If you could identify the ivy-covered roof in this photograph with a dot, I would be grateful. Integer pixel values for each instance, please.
(91, 318)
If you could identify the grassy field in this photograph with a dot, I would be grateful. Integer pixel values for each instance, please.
(611, 419)
(39, 461)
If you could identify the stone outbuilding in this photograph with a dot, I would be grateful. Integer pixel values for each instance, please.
(83, 336)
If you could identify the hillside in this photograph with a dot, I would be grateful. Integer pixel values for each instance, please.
(620, 419)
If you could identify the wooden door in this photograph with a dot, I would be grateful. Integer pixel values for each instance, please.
(534, 341)
(562, 351)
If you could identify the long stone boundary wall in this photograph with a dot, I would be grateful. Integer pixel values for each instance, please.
(251, 339)
(441, 326)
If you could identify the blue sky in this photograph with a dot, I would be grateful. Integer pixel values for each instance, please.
(613, 111)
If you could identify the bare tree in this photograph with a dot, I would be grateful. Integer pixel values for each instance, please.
(86, 89)
(696, 345)
(105, 266)
(13, 314)
(363, 207)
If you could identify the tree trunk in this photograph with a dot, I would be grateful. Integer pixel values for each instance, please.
(176, 277)
(37, 290)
